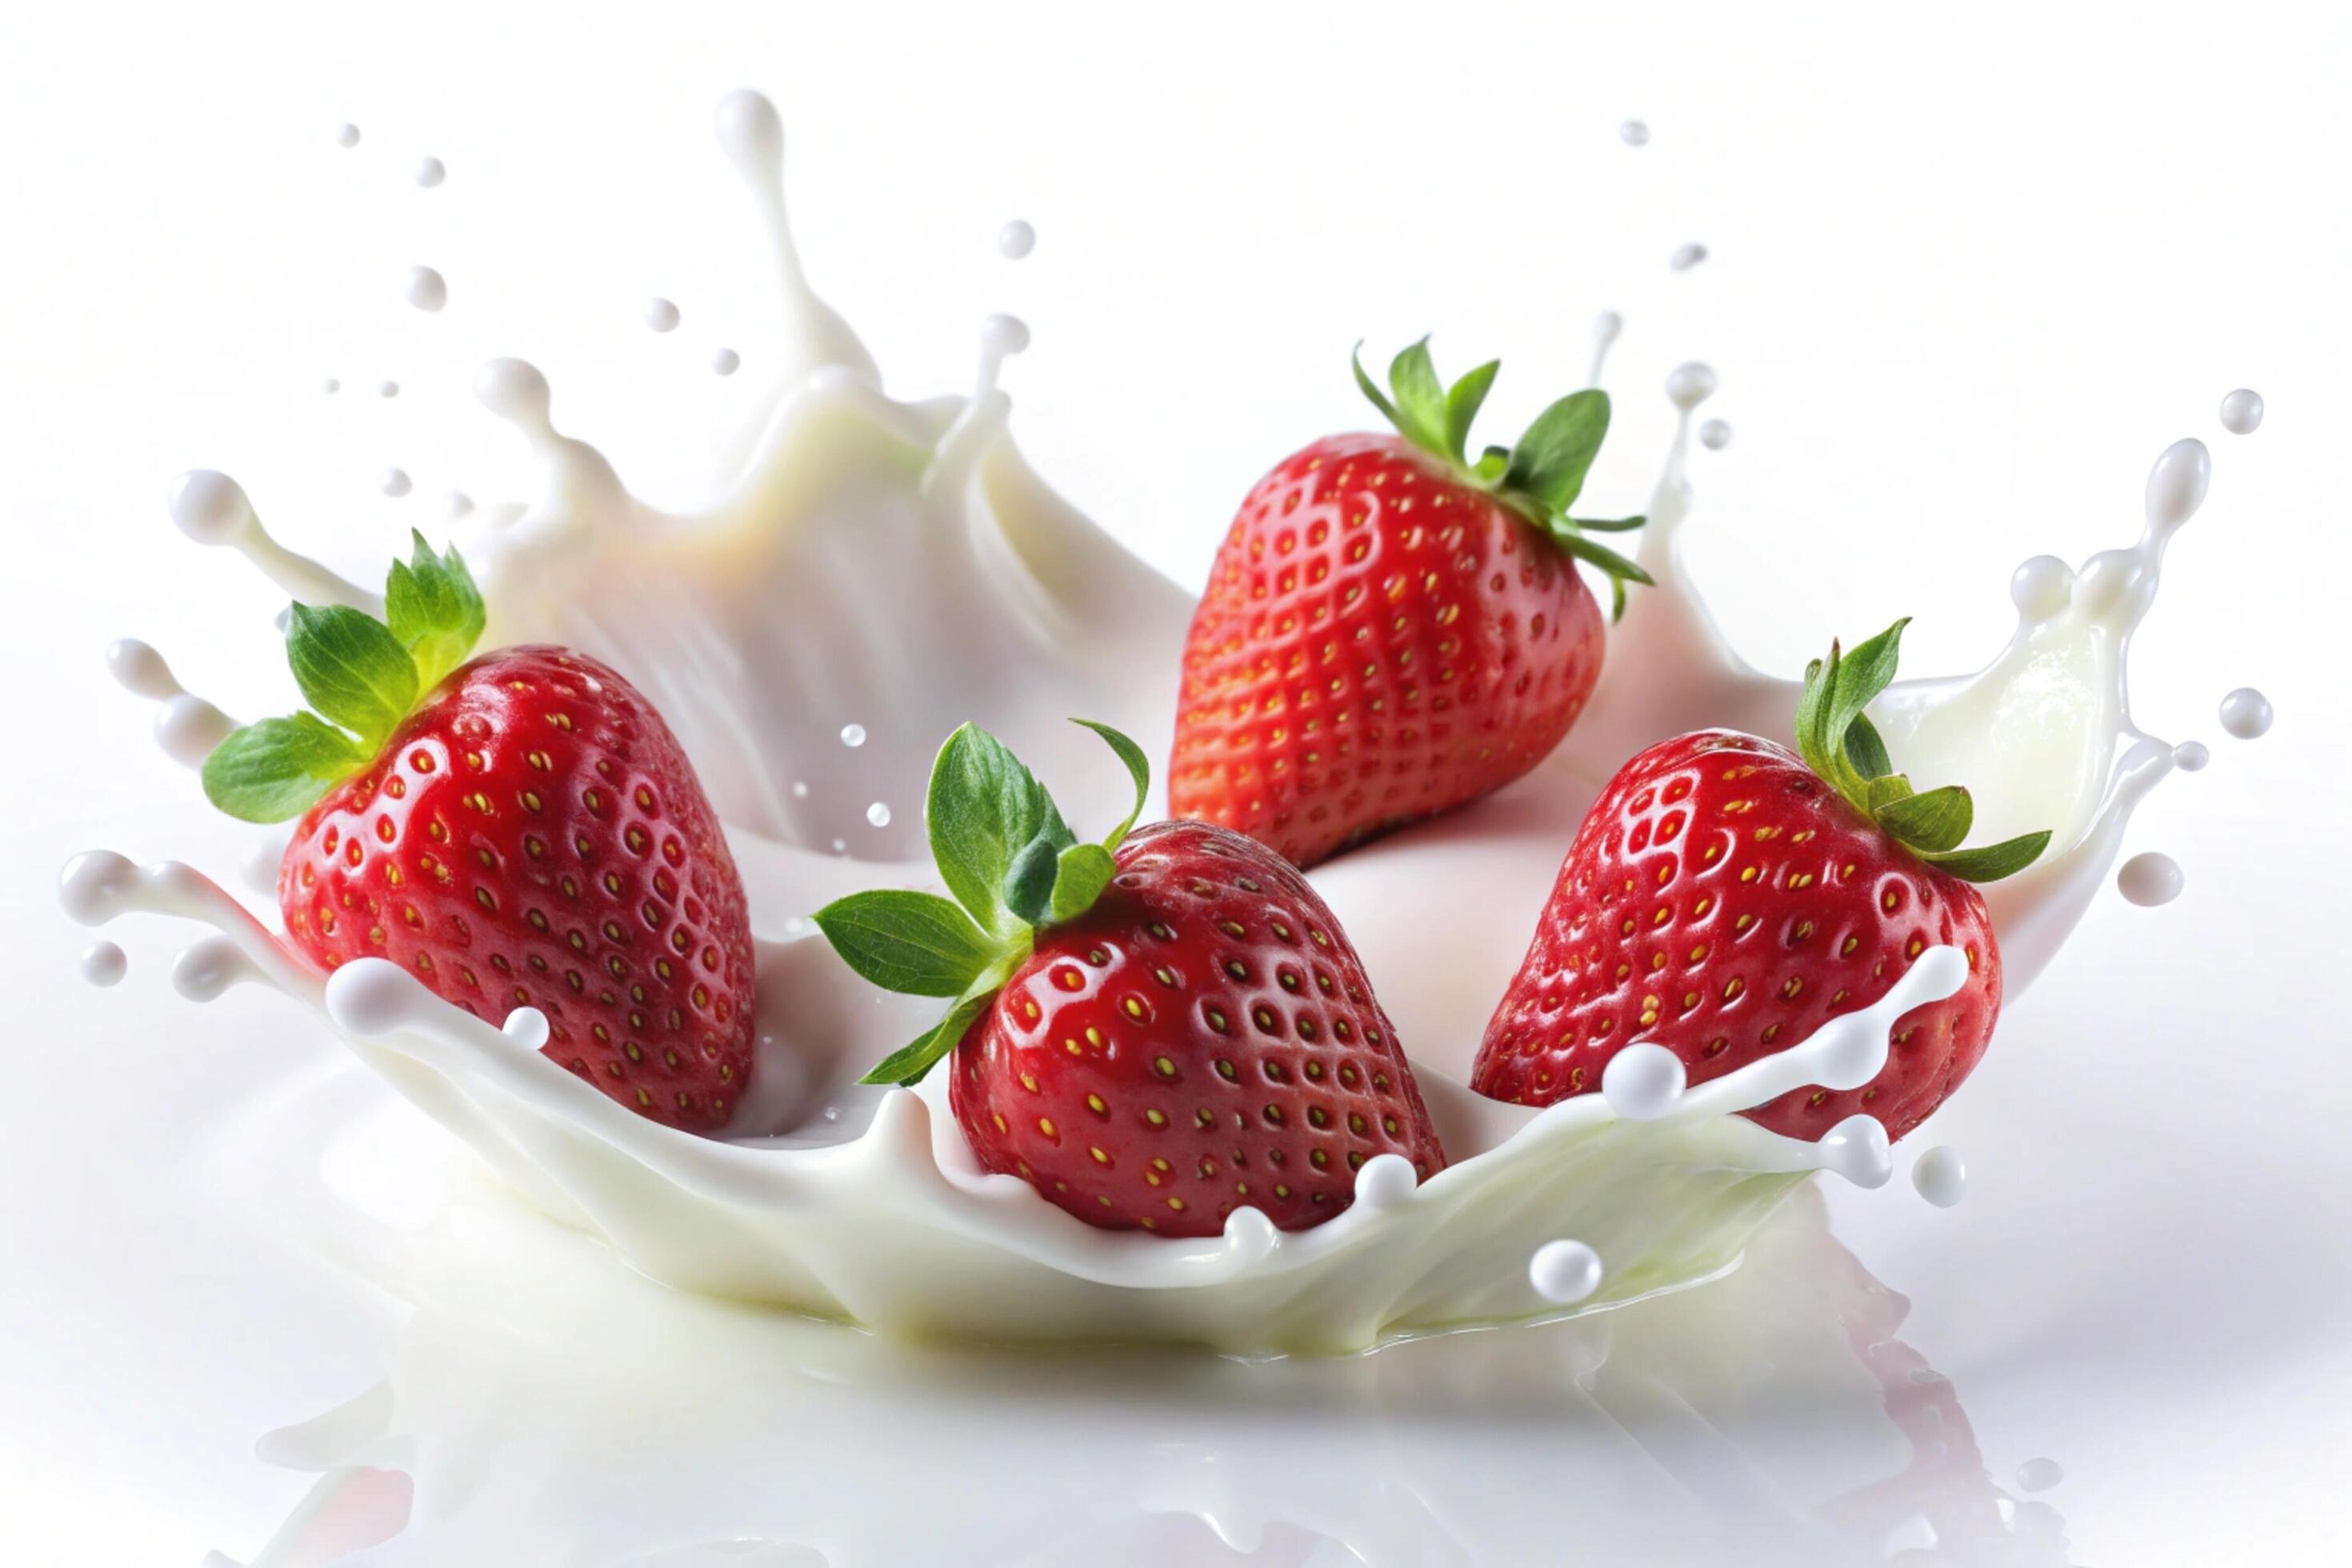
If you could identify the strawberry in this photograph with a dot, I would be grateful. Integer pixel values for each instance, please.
(1155, 1030)
(520, 831)
(1725, 897)
(1390, 628)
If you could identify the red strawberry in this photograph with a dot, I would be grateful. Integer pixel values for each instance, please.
(1724, 898)
(1155, 1030)
(525, 833)
(1391, 629)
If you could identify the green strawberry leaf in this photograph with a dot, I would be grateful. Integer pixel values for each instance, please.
(1992, 862)
(1029, 884)
(1539, 478)
(910, 1062)
(983, 809)
(1080, 876)
(1462, 405)
(351, 669)
(276, 770)
(1139, 768)
(1422, 416)
(1839, 743)
(433, 610)
(1550, 462)
(1867, 752)
(1932, 823)
(917, 944)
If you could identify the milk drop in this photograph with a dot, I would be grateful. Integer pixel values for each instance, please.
(1634, 133)
(1940, 1176)
(878, 814)
(2039, 1475)
(1562, 1271)
(104, 964)
(1690, 385)
(2241, 412)
(188, 727)
(2190, 756)
(2246, 713)
(853, 735)
(840, 846)
(1385, 1182)
(1015, 240)
(661, 315)
(2150, 879)
(2041, 588)
(1687, 256)
(209, 967)
(331, 387)
(1715, 435)
(387, 389)
(1857, 1150)
(1606, 327)
(726, 362)
(457, 503)
(800, 789)
(425, 289)
(1642, 1082)
(209, 507)
(394, 482)
(429, 172)
(347, 136)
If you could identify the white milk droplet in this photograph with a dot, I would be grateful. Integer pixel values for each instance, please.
(526, 1026)
(2039, 1475)
(331, 387)
(661, 315)
(2246, 713)
(878, 814)
(140, 670)
(1940, 1176)
(2150, 879)
(1015, 240)
(457, 503)
(347, 136)
(2241, 412)
(1606, 327)
(429, 172)
(188, 728)
(387, 389)
(1634, 133)
(1385, 1182)
(394, 482)
(209, 967)
(103, 964)
(1564, 1271)
(1687, 256)
(1715, 435)
(800, 789)
(1857, 1150)
(1691, 385)
(2041, 588)
(840, 846)
(1642, 1082)
(853, 735)
(726, 362)
(209, 507)
(2190, 756)
(425, 289)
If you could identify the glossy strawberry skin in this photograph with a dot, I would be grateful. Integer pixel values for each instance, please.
(1203, 1039)
(1721, 901)
(533, 835)
(1377, 643)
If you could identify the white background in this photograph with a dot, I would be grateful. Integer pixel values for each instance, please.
(1970, 273)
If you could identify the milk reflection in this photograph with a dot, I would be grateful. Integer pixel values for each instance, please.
(544, 1406)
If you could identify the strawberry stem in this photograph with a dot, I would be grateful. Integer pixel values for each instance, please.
(1539, 478)
(1839, 743)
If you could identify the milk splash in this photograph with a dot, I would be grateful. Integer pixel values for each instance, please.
(885, 570)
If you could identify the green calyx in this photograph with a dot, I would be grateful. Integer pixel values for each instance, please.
(361, 677)
(1014, 868)
(1539, 478)
(1838, 741)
